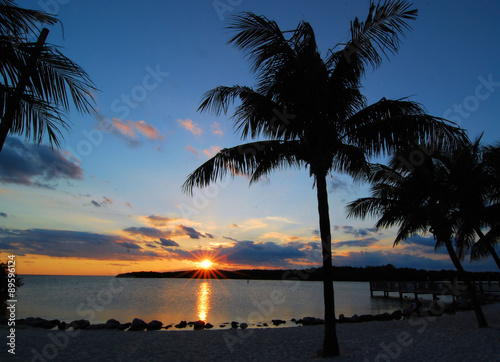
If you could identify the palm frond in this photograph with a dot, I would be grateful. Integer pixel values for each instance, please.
(253, 159)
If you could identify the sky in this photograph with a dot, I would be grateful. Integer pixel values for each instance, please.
(114, 202)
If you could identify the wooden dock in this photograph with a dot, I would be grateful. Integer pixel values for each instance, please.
(430, 287)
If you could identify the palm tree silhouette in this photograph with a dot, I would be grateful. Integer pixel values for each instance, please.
(474, 173)
(311, 113)
(419, 200)
(38, 83)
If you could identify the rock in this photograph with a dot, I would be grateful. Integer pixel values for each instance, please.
(293, 320)
(198, 325)
(449, 310)
(124, 326)
(32, 322)
(234, 324)
(182, 324)
(366, 318)
(80, 324)
(154, 325)
(97, 326)
(209, 326)
(264, 324)
(406, 313)
(51, 324)
(243, 325)
(355, 319)
(397, 315)
(138, 325)
(222, 326)
(311, 321)
(63, 326)
(112, 324)
(342, 318)
(277, 322)
(382, 317)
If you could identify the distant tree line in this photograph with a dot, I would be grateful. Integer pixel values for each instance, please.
(340, 273)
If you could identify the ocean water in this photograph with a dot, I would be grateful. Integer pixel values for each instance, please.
(99, 298)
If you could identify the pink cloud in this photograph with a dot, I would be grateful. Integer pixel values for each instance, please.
(190, 126)
(191, 149)
(215, 127)
(212, 151)
(130, 129)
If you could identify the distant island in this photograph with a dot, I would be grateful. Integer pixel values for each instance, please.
(340, 273)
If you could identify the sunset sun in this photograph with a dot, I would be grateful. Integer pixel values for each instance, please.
(205, 264)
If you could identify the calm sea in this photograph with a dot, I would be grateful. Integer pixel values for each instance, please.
(99, 298)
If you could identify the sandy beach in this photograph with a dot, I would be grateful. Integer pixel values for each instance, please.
(446, 338)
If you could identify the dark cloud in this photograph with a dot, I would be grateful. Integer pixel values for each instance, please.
(105, 202)
(192, 233)
(167, 242)
(129, 245)
(347, 229)
(420, 240)
(315, 232)
(147, 231)
(247, 253)
(3, 214)
(210, 236)
(228, 238)
(29, 165)
(78, 244)
(356, 243)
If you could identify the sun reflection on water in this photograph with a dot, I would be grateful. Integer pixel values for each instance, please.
(203, 301)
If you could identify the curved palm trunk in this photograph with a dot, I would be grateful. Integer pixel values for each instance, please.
(481, 320)
(330, 343)
(489, 247)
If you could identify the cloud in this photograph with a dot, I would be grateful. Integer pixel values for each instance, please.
(105, 202)
(360, 243)
(335, 184)
(192, 233)
(246, 253)
(234, 226)
(77, 244)
(147, 231)
(128, 204)
(191, 149)
(228, 238)
(130, 130)
(210, 236)
(190, 126)
(156, 220)
(29, 165)
(167, 242)
(212, 151)
(347, 229)
(3, 214)
(215, 127)
(153, 232)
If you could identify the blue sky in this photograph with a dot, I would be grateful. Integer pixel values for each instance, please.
(117, 204)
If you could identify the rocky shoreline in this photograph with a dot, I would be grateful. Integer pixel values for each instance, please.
(436, 309)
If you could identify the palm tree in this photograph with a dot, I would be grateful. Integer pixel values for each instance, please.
(419, 200)
(474, 170)
(311, 113)
(38, 83)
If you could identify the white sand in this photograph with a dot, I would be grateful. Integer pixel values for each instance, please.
(446, 338)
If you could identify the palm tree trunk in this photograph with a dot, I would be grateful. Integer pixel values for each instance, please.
(481, 320)
(330, 343)
(489, 247)
(13, 101)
